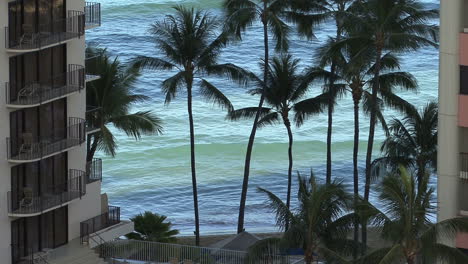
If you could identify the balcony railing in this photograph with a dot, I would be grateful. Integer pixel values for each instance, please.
(100, 222)
(464, 166)
(22, 255)
(94, 171)
(27, 202)
(91, 64)
(93, 15)
(93, 115)
(33, 37)
(29, 148)
(36, 93)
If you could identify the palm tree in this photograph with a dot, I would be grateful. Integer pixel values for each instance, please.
(152, 227)
(306, 14)
(191, 45)
(382, 26)
(379, 27)
(318, 224)
(240, 15)
(357, 77)
(412, 142)
(284, 92)
(114, 95)
(405, 222)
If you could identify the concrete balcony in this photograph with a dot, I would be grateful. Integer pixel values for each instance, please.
(33, 94)
(94, 171)
(93, 15)
(27, 202)
(91, 64)
(35, 37)
(29, 148)
(104, 228)
(93, 117)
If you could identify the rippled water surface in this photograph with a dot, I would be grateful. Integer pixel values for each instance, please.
(154, 173)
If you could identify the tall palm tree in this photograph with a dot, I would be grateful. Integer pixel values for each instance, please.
(405, 222)
(284, 93)
(412, 142)
(190, 43)
(318, 224)
(306, 14)
(381, 26)
(115, 95)
(241, 14)
(357, 76)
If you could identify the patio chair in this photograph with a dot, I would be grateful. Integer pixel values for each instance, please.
(28, 91)
(27, 200)
(27, 145)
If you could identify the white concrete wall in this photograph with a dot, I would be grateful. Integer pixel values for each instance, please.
(90, 205)
(5, 233)
(449, 86)
(80, 210)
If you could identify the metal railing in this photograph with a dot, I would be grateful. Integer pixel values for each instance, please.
(28, 148)
(100, 222)
(93, 115)
(464, 166)
(37, 36)
(92, 62)
(93, 14)
(27, 201)
(38, 92)
(145, 251)
(23, 255)
(94, 171)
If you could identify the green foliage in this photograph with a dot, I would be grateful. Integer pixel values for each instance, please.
(319, 224)
(114, 93)
(152, 227)
(405, 222)
(412, 142)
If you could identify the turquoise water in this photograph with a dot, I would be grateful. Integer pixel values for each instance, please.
(154, 173)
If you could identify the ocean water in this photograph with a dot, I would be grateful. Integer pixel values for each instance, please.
(154, 173)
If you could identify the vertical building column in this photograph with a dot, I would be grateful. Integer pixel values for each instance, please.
(90, 204)
(5, 184)
(448, 191)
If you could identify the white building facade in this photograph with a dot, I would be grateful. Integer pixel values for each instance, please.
(49, 193)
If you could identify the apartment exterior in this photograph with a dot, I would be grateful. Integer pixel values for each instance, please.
(49, 194)
(453, 115)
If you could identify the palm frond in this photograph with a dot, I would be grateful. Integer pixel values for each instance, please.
(212, 94)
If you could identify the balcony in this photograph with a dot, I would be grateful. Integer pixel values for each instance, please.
(33, 94)
(94, 171)
(91, 64)
(28, 202)
(92, 15)
(93, 115)
(105, 227)
(29, 148)
(34, 37)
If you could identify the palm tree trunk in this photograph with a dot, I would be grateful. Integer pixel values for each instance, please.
(192, 162)
(356, 99)
(370, 141)
(287, 123)
(248, 155)
(92, 147)
(331, 103)
(329, 137)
